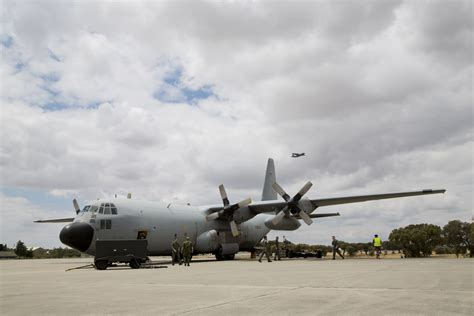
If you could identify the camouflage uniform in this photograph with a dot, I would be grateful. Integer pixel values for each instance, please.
(285, 246)
(187, 251)
(265, 250)
(335, 249)
(277, 249)
(175, 249)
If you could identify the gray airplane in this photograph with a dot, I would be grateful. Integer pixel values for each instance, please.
(219, 229)
(296, 155)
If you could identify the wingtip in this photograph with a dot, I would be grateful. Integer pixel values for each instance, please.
(428, 191)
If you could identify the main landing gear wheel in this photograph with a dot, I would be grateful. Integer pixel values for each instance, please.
(134, 264)
(220, 257)
(101, 264)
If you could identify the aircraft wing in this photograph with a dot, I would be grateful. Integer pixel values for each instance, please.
(372, 197)
(274, 206)
(56, 220)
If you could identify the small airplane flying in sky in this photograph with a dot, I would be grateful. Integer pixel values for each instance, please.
(296, 155)
(219, 229)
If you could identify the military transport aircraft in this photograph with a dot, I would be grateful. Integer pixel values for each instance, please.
(219, 229)
(296, 155)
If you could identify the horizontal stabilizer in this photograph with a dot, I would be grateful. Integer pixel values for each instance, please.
(319, 215)
(57, 220)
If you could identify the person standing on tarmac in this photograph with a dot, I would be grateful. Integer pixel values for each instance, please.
(175, 249)
(285, 247)
(187, 251)
(377, 243)
(265, 250)
(335, 248)
(277, 250)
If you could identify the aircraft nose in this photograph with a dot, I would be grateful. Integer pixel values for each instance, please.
(77, 235)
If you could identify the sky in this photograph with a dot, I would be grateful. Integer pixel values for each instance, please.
(169, 99)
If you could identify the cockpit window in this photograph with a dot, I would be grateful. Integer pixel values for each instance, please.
(108, 208)
(86, 208)
(93, 209)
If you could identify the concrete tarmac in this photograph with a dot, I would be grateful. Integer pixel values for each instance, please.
(293, 286)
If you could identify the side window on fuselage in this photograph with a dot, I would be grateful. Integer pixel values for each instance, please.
(105, 224)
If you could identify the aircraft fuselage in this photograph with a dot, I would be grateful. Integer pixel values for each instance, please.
(158, 223)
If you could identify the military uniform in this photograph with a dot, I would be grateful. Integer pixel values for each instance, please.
(277, 250)
(187, 251)
(265, 250)
(335, 248)
(285, 247)
(175, 251)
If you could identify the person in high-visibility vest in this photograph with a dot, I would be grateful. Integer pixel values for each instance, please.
(377, 243)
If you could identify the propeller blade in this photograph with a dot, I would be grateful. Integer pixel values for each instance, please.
(245, 202)
(234, 229)
(231, 209)
(303, 191)
(277, 219)
(223, 195)
(76, 206)
(304, 216)
(280, 191)
(212, 216)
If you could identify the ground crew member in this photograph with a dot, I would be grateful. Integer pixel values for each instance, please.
(265, 250)
(175, 249)
(335, 248)
(377, 243)
(187, 251)
(285, 247)
(277, 249)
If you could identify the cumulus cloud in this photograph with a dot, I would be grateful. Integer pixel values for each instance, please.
(170, 99)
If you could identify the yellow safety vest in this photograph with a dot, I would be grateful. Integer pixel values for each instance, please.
(377, 242)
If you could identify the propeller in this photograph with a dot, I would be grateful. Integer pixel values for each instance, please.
(292, 204)
(76, 206)
(228, 211)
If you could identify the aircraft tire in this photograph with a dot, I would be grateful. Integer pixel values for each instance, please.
(134, 264)
(101, 264)
(229, 257)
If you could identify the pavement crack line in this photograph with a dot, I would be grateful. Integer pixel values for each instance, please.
(239, 300)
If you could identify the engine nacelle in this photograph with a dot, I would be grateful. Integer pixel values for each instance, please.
(285, 224)
(228, 249)
(207, 241)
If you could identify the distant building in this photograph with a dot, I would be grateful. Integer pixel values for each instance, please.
(8, 255)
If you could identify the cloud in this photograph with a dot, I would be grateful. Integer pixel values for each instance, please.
(169, 100)
(17, 219)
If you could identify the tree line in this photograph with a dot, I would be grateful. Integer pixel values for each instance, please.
(416, 240)
(24, 252)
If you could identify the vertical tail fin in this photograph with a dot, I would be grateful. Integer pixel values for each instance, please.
(270, 178)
